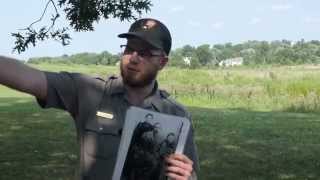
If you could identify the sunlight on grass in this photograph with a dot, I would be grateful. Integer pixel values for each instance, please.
(250, 124)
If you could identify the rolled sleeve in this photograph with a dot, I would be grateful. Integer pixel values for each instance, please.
(61, 92)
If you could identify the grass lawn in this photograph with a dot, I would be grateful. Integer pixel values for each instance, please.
(238, 137)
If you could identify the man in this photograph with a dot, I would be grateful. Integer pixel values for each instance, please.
(88, 100)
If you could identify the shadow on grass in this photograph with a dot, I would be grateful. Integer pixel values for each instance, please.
(232, 143)
(34, 143)
(242, 144)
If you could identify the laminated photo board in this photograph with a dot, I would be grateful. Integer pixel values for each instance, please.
(169, 128)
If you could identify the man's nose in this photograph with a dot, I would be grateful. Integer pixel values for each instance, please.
(134, 57)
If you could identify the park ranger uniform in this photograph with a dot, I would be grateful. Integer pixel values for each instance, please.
(98, 108)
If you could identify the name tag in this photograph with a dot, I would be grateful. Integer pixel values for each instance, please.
(105, 115)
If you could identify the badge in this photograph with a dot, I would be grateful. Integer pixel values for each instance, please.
(104, 115)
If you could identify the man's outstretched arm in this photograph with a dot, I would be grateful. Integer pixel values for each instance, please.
(21, 77)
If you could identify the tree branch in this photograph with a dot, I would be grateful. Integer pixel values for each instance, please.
(81, 15)
(31, 35)
(43, 13)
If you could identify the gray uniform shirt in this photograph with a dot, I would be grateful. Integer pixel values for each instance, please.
(99, 137)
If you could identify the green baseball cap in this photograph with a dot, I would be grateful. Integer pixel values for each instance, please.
(152, 31)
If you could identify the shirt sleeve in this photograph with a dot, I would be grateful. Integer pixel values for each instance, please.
(61, 92)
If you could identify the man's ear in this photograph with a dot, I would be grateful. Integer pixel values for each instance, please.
(163, 62)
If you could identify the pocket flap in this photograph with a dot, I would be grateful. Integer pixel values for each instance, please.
(104, 126)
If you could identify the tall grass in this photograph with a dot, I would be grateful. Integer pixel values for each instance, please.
(287, 88)
(293, 89)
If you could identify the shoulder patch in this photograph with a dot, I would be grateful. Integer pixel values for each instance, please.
(164, 93)
(115, 84)
(99, 78)
(112, 77)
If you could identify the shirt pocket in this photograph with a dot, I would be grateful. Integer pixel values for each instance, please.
(101, 141)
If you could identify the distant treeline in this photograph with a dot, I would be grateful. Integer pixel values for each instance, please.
(104, 58)
(282, 52)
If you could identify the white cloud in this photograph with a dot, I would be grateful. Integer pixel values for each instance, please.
(217, 25)
(194, 23)
(254, 20)
(281, 7)
(176, 9)
(312, 20)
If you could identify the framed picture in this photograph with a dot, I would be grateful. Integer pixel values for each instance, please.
(147, 137)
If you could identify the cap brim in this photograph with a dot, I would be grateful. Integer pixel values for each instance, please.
(138, 35)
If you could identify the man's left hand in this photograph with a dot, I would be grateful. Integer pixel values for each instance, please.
(179, 167)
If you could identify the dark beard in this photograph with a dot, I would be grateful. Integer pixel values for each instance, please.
(143, 80)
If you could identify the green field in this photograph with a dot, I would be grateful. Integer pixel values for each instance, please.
(250, 124)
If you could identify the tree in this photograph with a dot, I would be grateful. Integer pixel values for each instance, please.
(283, 55)
(81, 15)
(107, 58)
(176, 58)
(318, 52)
(225, 53)
(195, 63)
(204, 54)
(187, 51)
(262, 52)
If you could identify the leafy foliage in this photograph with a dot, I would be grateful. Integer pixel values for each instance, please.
(104, 58)
(254, 53)
(81, 15)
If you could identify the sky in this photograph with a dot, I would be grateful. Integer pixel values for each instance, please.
(193, 22)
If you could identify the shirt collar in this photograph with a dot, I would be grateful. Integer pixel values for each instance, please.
(153, 101)
(116, 86)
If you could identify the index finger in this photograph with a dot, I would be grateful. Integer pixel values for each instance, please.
(181, 157)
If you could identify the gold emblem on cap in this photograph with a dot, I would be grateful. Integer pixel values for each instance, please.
(104, 115)
(145, 27)
(149, 24)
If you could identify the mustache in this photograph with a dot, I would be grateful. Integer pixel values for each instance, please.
(139, 80)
